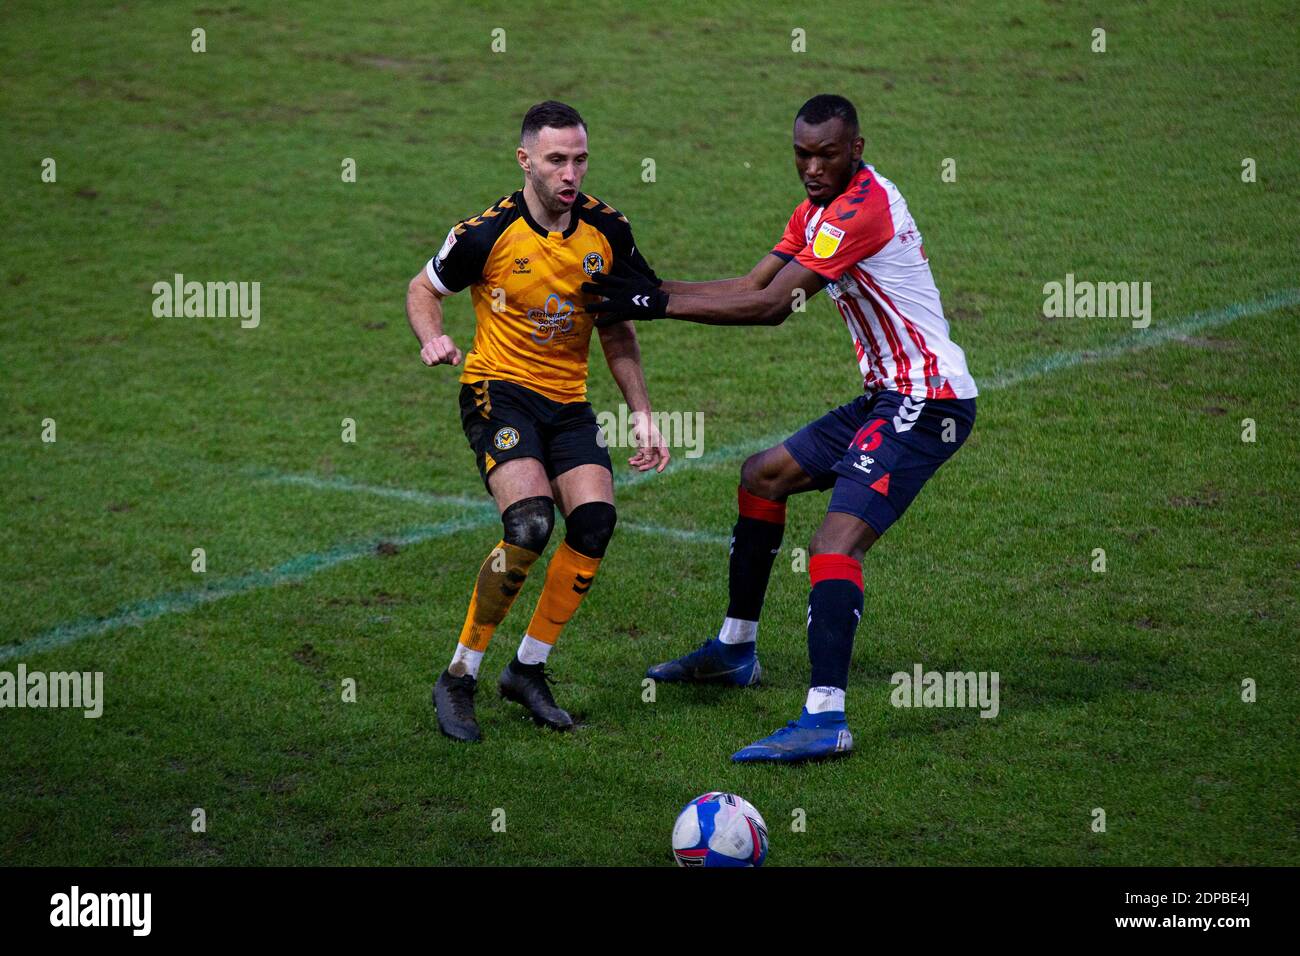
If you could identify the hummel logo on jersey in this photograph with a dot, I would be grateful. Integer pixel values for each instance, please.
(641, 300)
(908, 414)
(864, 463)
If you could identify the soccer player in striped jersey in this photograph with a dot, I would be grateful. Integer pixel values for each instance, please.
(853, 236)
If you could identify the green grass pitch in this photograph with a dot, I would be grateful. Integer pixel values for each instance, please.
(1120, 690)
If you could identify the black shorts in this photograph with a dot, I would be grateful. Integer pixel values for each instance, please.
(504, 421)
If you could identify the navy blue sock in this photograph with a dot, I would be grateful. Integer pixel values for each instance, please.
(755, 541)
(834, 609)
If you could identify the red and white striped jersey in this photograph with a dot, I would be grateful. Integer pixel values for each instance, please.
(870, 251)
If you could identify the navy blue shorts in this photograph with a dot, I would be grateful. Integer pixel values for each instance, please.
(878, 450)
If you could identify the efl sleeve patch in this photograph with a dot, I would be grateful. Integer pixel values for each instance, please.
(459, 263)
(827, 241)
(848, 237)
(446, 246)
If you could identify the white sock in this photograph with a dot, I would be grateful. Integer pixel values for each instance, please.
(822, 699)
(736, 631)
(465, 661)
(533, 651)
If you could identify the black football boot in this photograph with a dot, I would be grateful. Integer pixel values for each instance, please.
(453, 697)
(526, 684)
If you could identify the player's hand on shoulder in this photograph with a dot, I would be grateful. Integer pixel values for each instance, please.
(440, 351)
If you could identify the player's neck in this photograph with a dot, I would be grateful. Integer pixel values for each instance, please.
(541, 215)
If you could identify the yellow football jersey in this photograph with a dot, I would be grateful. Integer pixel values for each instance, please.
(526, 286)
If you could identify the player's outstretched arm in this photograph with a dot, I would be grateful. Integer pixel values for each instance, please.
(770, 305)
(758, 278)
(629, 295)
(424, 313)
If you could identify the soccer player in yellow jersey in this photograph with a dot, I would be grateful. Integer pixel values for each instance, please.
(523, 402)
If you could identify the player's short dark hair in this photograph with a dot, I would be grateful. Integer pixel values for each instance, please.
(827, 106)
(550, 113)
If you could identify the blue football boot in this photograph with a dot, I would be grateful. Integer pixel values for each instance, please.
(712, 663)
(811, 737)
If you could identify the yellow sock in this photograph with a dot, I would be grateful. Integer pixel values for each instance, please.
(568, 579)
(499, 581)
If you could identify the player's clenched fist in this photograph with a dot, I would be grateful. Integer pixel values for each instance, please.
(440, 351)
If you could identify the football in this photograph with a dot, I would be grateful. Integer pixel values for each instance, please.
(719, 829)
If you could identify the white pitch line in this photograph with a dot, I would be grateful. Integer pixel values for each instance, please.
(681, 534)
(295, 569)
(1137, 340)
(307, 564)
(481, 504)
(384, 491)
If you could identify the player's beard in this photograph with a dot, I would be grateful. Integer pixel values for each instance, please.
(836, 189)
(550, 198)
(833, 193)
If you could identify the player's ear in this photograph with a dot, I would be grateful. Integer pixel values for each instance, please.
(521, 155)
(859, 144)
